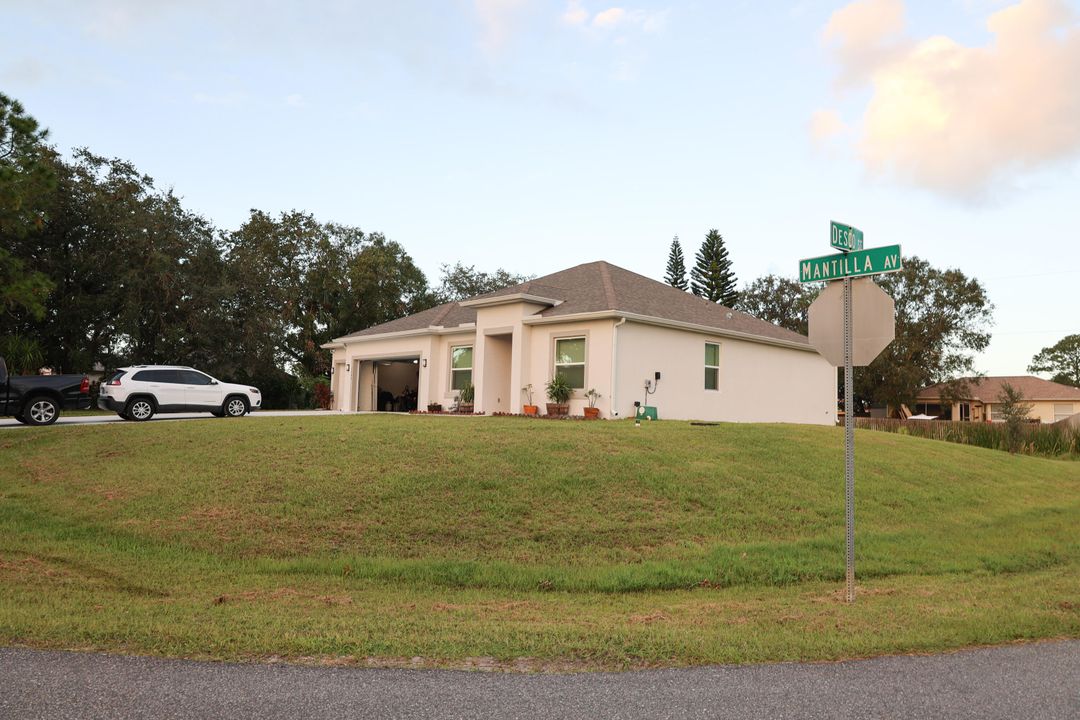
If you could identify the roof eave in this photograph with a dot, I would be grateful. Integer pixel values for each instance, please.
(509, 299)
(430, 330)
(675, 324)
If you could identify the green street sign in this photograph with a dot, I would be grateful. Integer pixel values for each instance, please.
(844, 237)
(852, 264)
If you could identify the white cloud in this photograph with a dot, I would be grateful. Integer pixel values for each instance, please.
(575, 14)
(223, 99)
(295, 100)
(497, 18)
(826, 125)
(609, 18)
(955, 118)
(617, 17)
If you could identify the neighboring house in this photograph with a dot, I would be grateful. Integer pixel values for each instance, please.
(601, 327)
(1050, 401)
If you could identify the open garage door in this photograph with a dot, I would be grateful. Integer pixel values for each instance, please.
(396, 384)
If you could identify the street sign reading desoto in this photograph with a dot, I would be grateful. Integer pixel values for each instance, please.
(851, 264)
(844, 237)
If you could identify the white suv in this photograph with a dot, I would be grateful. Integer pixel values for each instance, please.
(136, 393)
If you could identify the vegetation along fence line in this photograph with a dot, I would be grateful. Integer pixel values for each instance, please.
(1056, 440)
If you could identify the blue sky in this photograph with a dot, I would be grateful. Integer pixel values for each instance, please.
(535, 135)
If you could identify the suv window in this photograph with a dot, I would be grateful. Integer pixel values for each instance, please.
(161, 376)
(194, 377)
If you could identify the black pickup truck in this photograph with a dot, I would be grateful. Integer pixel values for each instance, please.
(38, 399)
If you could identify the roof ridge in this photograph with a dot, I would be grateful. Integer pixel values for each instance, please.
(441, 316)
(609, 288)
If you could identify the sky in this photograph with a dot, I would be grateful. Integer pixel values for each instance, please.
(535, 135)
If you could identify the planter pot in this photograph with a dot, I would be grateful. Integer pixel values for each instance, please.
(465, 409)
(558, 410)
(531, 409)
(434, 407)
(592, 413)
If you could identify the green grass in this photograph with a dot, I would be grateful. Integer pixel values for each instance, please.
(598, 544)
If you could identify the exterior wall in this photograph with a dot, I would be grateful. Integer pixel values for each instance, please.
(539, 355)
(757, 383)
(1043, 410)
(503, 391)
(352, 368)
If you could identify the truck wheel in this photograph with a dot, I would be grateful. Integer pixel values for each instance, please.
(40, 410)
(140, 410)
(236, 406)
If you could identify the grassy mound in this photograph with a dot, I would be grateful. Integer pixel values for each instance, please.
(452, 537)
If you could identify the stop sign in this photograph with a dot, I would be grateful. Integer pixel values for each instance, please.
(873, 315)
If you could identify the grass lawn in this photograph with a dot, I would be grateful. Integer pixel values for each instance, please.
(437, 541)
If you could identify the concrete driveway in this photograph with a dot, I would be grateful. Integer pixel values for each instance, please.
(1034, 682)
(113, 418)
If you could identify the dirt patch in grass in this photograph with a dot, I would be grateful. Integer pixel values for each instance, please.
(284, 594)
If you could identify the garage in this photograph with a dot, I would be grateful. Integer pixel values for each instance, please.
(389, 384)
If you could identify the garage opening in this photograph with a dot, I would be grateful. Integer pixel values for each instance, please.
(396, 384)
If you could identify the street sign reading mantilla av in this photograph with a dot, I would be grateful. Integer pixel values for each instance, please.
(853, 264)
(844, 237)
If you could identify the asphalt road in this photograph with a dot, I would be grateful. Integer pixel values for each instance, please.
(1029, 682)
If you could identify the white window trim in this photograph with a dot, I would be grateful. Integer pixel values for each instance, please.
(555, 364)
(716, 366)
(450, 390)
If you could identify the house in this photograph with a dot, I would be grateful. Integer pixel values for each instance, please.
(1050, 401)
(601, 327)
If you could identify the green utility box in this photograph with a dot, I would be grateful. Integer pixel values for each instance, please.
(646, 412)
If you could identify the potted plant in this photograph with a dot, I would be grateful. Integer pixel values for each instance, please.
(558, 392)
(592, 412)
(434, 407)
(465, 399)
(529, 408)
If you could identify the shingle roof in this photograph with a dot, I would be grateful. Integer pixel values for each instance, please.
(988, 389)
(599, 287)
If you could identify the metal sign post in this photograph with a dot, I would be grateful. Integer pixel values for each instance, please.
(862, 335)
(849, 448)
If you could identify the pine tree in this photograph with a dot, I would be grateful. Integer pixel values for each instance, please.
(712, 277)
(676, 267)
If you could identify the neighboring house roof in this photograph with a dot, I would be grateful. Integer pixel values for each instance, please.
(988, 389)
(598, 287)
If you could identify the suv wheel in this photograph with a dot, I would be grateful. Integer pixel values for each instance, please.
(140, 409)
(41, 411)
(236, 407)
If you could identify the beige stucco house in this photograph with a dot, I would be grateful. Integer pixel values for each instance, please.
(603, 328)
(1050, 401)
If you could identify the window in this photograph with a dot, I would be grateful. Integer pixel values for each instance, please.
(712, 366)
(965, 412)
(570, 361)
(460, 367)
(1062, 411)
(158, 376)
(194, 377)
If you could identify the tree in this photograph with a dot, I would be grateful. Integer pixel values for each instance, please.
(1014, 412)
(1061, 359)
(779, 300)
(941, 320)
(712, 277)
(25, 178)
(460, 282)
(676, 267)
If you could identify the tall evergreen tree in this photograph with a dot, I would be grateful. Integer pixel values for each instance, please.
(712, 277)
(676, 267)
